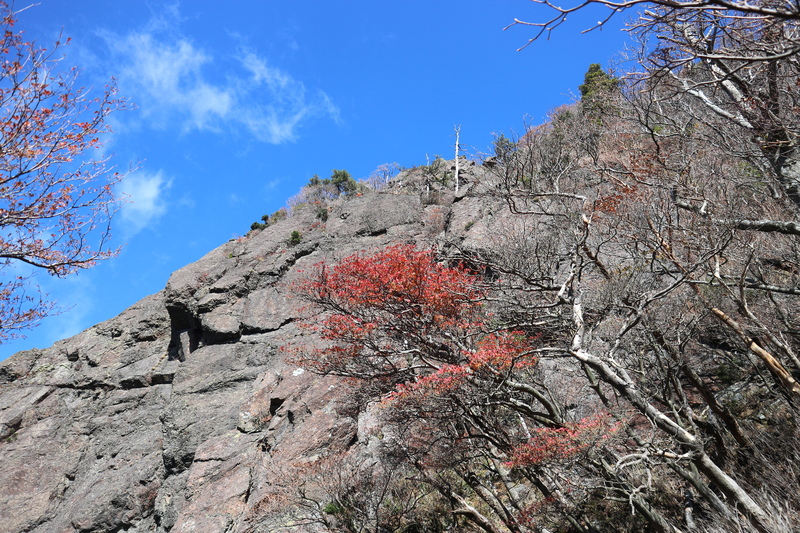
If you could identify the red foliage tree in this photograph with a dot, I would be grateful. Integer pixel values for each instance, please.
(457, 392)
(391, 313)
(56, 199)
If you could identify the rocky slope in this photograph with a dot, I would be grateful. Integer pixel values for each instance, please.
(181, 413)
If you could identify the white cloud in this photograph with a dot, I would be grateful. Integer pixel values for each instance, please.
(145, 201)
(284, 103)
(173, 81)
(166, 80)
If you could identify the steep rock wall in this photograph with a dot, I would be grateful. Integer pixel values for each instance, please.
(178, 414)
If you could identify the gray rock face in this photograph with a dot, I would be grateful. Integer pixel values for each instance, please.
(176, 415)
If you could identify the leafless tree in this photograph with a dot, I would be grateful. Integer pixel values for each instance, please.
(736, 59)
(665, 257)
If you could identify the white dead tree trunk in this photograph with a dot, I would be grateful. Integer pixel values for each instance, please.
(458, 149)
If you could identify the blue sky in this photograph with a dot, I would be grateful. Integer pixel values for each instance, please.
(240, 102)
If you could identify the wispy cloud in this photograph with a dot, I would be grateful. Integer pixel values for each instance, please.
(168, 79)
(277, 118)
(174, 81)
(145, 200)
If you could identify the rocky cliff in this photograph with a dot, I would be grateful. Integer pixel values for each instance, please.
(181, 414)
